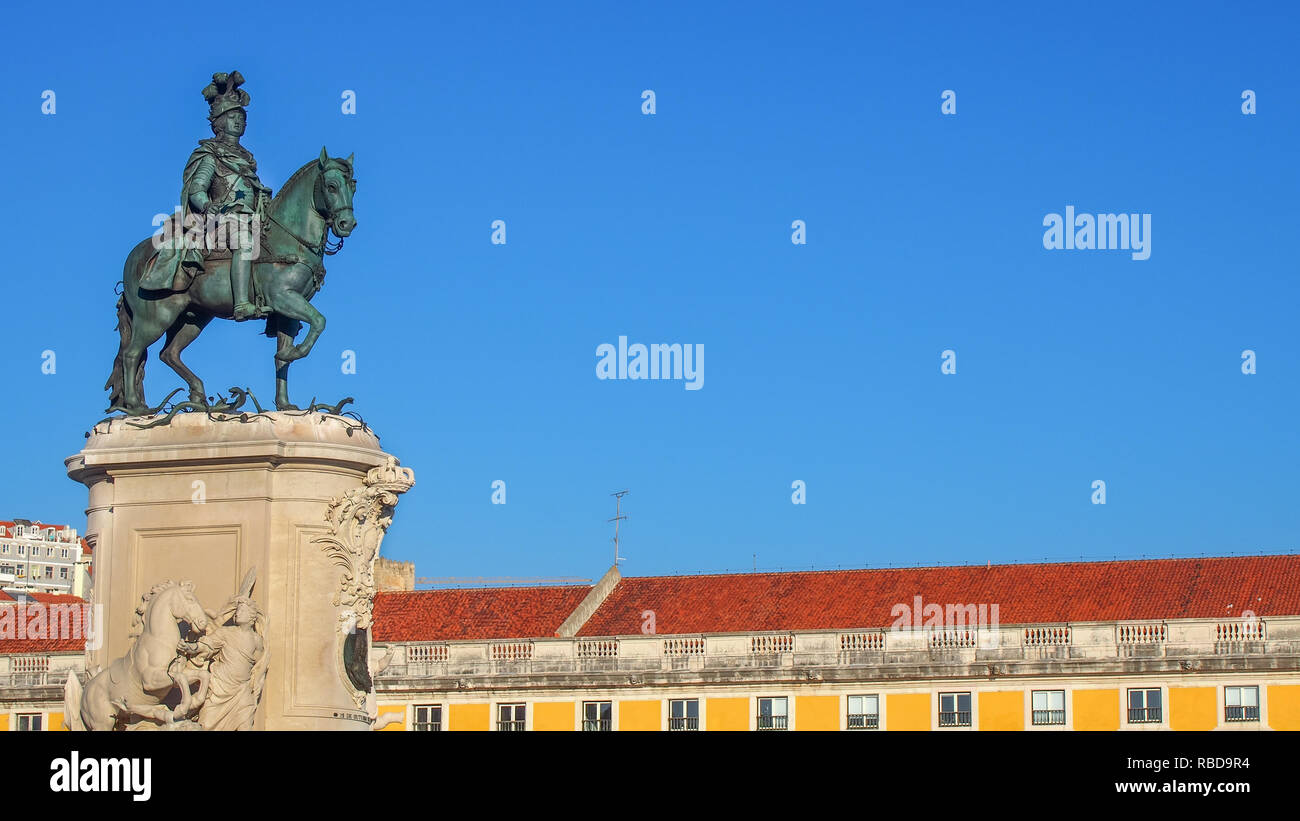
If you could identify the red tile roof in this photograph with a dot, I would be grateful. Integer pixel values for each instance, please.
(491, 613)
(56, 598)
(5, 596)
(17, 647)
(9, 645)
(1024, 593)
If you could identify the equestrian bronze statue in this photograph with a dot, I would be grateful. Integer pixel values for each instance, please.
(231, 251)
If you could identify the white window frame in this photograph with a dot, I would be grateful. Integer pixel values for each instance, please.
(956, 694)
(1259, 705)
(699, 714)
(415, 716)
(785, 713)
(1138, 725)
(848, 711)
(514, 707)
(582, 717)
(18, 722)
(1049, 692)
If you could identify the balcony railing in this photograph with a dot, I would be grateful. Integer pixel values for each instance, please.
(427, 726)
(511, 726)
(1242, 714)
(1048, 717)
(773, 722)
(597, 725)
(1144, 715)
(42, 679)
(864, 721)
(1046, 636)
(1130, 634)
(954, 718)
(862, 642)
(692, 654)
(684, 723)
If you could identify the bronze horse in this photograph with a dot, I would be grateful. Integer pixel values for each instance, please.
(288, 272)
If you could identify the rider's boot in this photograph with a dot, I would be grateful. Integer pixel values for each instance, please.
(241, 277)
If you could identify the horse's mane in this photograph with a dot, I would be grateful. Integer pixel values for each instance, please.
(137, 624)
(341, 163)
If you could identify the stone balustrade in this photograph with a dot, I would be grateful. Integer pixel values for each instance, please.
(1181, 641)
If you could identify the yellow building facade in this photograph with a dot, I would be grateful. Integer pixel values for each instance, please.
(1162, 662)
(1116, 646)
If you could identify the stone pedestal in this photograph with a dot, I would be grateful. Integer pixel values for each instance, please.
(303, 498)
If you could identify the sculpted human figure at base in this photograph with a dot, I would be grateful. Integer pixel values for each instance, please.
(238, 662)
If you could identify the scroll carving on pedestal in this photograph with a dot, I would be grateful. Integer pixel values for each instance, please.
(357, 522)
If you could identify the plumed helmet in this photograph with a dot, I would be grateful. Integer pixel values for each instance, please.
(224, 94)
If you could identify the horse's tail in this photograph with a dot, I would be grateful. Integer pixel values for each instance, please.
(72, 703)
(116, 383)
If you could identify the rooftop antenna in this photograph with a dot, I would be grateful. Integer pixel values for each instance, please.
(618, 517)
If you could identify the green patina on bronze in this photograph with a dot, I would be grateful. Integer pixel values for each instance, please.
(177, 289)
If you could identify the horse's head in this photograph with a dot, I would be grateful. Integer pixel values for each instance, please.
(334, 189)
(184, 606)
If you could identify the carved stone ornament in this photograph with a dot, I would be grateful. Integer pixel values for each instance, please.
(358, 521)
(176, 647)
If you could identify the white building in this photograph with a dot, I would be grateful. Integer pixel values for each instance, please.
(43, 558)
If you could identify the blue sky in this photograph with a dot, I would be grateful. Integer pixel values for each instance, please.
(476, 362)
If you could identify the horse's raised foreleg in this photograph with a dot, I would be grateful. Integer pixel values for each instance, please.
(203, 677)
(190, 703)
(294, 305)
(182, 333)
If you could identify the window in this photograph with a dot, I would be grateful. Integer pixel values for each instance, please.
(30, 723)
(49, 571)
(1241, 703)
(63, 553)
(597, 716)
(1144, 706)
(63, 573)
(684, 714)
(954, 709)
(773, 714)
(511, 717)
(22, 550)
(4, 550)
(428, 718)
(864, 712)
(1049, 707)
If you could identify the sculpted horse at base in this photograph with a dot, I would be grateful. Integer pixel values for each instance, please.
(138, 683)
(287, 273)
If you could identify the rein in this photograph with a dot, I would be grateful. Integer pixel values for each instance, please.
(325, 247)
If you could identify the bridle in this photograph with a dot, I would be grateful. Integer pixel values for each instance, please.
(324, 247)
